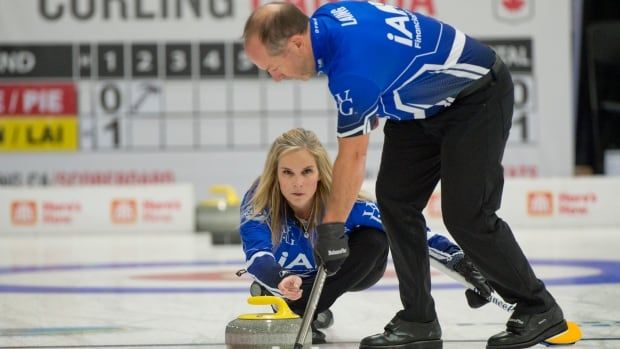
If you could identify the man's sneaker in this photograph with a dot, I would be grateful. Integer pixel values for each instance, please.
(526, 330)
(318, 337)
(406, 335)
(324, 319)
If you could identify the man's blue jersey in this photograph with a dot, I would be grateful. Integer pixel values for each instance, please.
(383, 61)
(269, 263)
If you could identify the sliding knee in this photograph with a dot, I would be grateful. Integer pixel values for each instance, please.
(374, 246)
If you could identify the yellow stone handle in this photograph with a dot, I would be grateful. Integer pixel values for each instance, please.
(229, 193)
(284, 312)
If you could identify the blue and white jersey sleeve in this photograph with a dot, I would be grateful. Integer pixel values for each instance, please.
(363, 214)
(357, 99)
(439, 245)
(257, 246)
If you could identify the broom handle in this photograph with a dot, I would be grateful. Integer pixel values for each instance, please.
(313, 301)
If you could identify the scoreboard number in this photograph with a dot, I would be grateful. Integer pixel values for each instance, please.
(114, 129)
(110, 98)
(212, 61)
(523, 122)
(111, 105)
(110, 58)
(178, 61)
(178, 64)
(145, 61)
(212, 57)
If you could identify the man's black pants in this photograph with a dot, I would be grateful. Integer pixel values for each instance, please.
(462, 147)
(368, 252)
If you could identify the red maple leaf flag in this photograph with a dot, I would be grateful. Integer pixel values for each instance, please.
(514, 10)
(513, 5)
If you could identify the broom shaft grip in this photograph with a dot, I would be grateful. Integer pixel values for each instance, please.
(313, 301)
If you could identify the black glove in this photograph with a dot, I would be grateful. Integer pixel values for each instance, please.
(474, 300)
(466, 268)
(332, 246)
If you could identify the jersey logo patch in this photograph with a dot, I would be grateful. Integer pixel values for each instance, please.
(345, 105)
(372, 213)
(300, 261)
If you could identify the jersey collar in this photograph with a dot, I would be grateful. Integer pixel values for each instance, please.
(318, 35)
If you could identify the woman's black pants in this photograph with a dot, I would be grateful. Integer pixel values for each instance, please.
(368, 251)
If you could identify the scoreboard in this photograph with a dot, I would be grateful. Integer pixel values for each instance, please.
(172, 95)
(195, 95)
(163, 89)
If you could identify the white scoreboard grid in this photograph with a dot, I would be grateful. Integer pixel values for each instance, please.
(178, 95)
(148, 96)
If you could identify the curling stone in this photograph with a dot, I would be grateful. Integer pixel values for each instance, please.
(220, 215)
(265, 330)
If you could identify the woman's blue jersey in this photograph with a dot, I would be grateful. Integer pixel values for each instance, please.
(294, 253)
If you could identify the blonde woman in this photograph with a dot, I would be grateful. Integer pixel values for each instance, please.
(279, 215)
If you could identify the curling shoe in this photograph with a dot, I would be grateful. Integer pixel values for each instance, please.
(324, 319)
(406, 335)
(318, 337)
(526, 330)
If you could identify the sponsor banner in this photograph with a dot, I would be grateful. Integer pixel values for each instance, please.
(546, 203)
(38, 134)
(67, 177)
(562, 202)
(84, 210)
(37, 99)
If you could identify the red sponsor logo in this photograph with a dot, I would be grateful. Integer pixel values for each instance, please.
(33, 100)
(23, 212)
(521, 170)
(160, 211)
(123, 211)
(112, 177)
(576, 204)
(57, 212)
(540, 203)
